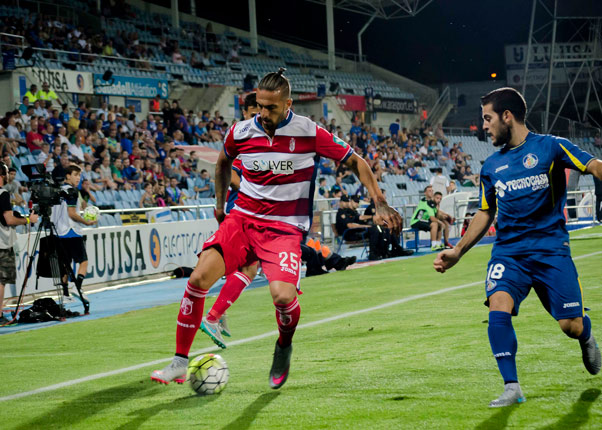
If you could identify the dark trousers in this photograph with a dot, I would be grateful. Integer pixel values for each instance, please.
(599, 207)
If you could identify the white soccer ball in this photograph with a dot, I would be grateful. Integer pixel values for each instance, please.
(208, 374)
(91, 213)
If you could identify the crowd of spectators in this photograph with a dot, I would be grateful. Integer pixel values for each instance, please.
(119, 151)
(115, 149)
(397, 151)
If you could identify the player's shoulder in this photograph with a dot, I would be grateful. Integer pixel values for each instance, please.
(544, 140)
(243, 130)
(297, 125)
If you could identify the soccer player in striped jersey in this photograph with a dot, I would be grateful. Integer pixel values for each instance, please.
(279, 152)
(525, 182)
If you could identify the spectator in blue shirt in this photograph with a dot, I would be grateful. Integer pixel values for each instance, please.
(355, 129)
(174, 194)
(64, 115)
(55, 121)
(204, 185)
(326, 166)
(178, 138)
(131, 174)
(160, 134)
(126, 143)
(394, 129)
(49, 136)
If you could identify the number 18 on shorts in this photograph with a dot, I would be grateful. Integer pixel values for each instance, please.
(553, 277)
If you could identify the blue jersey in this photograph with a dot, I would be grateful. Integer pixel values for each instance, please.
(527, 184)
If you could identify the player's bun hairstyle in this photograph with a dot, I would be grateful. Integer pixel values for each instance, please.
(250, 101)
(507, 99)
(276, 81)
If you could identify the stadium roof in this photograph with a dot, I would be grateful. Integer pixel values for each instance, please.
(386, 9)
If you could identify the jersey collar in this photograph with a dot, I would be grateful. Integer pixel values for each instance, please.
(522, 143)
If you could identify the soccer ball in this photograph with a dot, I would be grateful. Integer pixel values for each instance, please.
(208, 374)
(91, 213)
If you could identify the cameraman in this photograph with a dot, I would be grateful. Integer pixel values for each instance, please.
(8, 237)
(68, 223)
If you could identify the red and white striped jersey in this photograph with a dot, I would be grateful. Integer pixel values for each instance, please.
(278, 174)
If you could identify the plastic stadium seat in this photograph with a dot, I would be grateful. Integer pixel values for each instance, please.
(117, 218)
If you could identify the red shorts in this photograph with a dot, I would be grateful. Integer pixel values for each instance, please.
(245, 239)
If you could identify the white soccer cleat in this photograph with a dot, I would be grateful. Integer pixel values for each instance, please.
(174, 371)
(214, 331)
(512, 394)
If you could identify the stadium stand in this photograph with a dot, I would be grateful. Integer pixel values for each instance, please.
(145, 45)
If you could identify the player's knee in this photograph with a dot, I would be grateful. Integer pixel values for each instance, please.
(283, 294)
(283, 298)
(571, 327)
(501, 301)
(200, 279)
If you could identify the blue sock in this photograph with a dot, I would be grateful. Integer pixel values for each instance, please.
(503, 344)
(587, 329)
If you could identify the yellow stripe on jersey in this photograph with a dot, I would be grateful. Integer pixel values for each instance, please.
(484, 204)
(575, 161)
(582, 305)
(519, 145)
(552, 184)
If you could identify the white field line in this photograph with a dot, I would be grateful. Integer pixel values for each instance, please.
(250, 339)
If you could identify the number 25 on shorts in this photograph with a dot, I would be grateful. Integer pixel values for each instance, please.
(293, 262)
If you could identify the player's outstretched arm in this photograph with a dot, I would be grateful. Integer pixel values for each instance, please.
(223, 172)
(387, 214)
(595, 168)
(476, 230)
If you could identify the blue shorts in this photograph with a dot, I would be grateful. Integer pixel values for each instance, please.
(553, 277)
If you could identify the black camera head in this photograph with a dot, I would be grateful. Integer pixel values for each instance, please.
(35, 172)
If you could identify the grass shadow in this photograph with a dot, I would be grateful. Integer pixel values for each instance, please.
(181, 403)
(250, 413)
(579, 415)
(72, 412)
(499, 420)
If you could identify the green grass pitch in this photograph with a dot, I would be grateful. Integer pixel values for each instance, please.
(422, 363)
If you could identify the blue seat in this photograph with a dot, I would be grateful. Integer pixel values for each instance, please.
(117, 218)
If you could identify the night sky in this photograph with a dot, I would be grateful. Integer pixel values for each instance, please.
(449, 41)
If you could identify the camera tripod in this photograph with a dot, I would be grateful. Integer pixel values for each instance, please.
(52, 263)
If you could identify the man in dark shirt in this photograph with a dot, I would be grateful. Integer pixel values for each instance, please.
(388, 238)
(8, 238)
(350, 223)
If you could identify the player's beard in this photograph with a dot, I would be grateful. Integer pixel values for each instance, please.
(269, 125)
(504, 136)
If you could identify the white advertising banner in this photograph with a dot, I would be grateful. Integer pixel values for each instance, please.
(64, 81)
(539, 62)
(125, 252)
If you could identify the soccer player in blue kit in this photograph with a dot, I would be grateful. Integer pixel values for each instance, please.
(525, 181)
